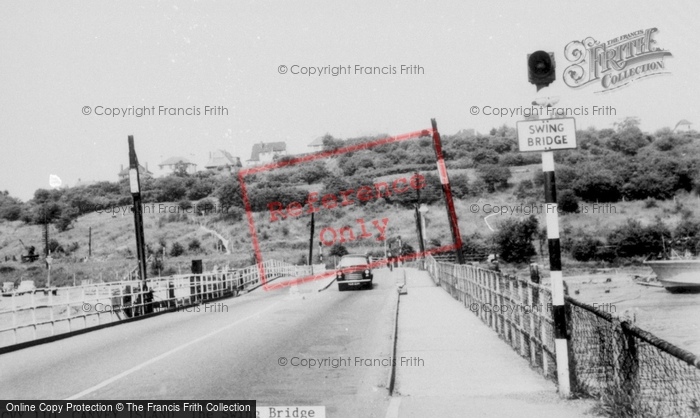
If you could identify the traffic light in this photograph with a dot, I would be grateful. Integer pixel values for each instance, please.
(541, 69)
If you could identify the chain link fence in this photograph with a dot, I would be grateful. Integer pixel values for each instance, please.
(632, 372)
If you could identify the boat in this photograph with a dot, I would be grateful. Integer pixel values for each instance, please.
(677, 276)
(8, 288)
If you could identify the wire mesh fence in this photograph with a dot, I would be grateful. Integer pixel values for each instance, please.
(632, 372)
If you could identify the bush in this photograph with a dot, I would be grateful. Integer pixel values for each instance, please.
(338, 249)
(567, 201)
(633, 239)
(194, 245)
(231, 214)
(585, 249)
(205, 206)
(494, 176)
(514, 240)
(176, 250)
(184, 204)
(55, 246)
(650, 203)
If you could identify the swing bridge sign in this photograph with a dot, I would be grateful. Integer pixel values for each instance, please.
(546, 134)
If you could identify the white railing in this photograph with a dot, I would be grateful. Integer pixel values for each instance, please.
(44, 313)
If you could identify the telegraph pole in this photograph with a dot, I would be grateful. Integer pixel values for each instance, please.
(135, 186)
(311, 240)
(447, 193)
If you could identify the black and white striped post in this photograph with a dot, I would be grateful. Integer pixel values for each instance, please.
(548, 135)
(558, 310)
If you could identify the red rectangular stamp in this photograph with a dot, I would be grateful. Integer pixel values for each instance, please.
(314, 203)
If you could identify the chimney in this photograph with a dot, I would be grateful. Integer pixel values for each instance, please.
(122, 168)
(146, 165)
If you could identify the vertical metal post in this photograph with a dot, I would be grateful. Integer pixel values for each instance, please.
(558, 310)
(89, 242)
(419, 227)
(135, 185)
(447, 193)
(311, 241)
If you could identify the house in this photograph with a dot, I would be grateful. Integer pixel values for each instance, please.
(682, 126)
(222, 160)
(143, 172)
(265, 153)
(173, 162)
(317, 144)
(81, 183)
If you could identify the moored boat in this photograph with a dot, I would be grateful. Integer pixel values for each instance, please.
(677, 275)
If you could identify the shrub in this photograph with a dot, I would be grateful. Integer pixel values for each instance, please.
(231, 214)
(176, 250)
(514, 240)
(494, 176)
(338, 249)
(650, 203)
(567, 201)
(632, 239)
(194, 245)
(184, 204)
(205, 206)
(585, 249)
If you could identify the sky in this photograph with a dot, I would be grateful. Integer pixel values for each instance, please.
(59, 58)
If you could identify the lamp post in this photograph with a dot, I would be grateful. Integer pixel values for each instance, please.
(423, 209)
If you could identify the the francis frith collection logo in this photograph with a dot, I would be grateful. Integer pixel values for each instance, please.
(615, 63)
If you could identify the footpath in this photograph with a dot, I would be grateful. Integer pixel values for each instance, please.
(455, 366)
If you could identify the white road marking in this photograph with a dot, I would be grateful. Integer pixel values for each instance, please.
(167, 353)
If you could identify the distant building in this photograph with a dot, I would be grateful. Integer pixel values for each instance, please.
(81, 183)
(143, 172)
(222, 160)
(465, 133)
(265, 153)
(172, 163)
(682, 126)
(317, 144)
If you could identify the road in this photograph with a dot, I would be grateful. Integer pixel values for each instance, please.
(233, 351)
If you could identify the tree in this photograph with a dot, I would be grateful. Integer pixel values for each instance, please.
(632, 239)
(313, 173)
(494, 176)
(176, 250)
(514, 240)
(567, 201)
(194, 245)
(181, 169)
(230, 194)
(338, 249)
(585, 249)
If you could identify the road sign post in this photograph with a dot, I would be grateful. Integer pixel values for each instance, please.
(547, 135)
(135, 187)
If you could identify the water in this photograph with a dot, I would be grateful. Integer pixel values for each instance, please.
(672, 317)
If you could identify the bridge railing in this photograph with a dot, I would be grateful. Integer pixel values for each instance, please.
(630, 370)
(45, 313)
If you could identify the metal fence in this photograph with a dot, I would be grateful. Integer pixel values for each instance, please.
(48, 312)
(632, 372)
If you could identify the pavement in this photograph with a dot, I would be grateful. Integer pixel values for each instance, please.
(456, 366)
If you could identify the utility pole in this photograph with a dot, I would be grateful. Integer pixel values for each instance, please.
(417, 215)
(135, 186)
(447, 193)
(89, 242)
(311, 240)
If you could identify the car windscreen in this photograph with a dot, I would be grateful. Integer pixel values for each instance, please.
(352, 261)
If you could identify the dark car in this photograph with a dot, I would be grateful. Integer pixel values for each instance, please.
(353, 272)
